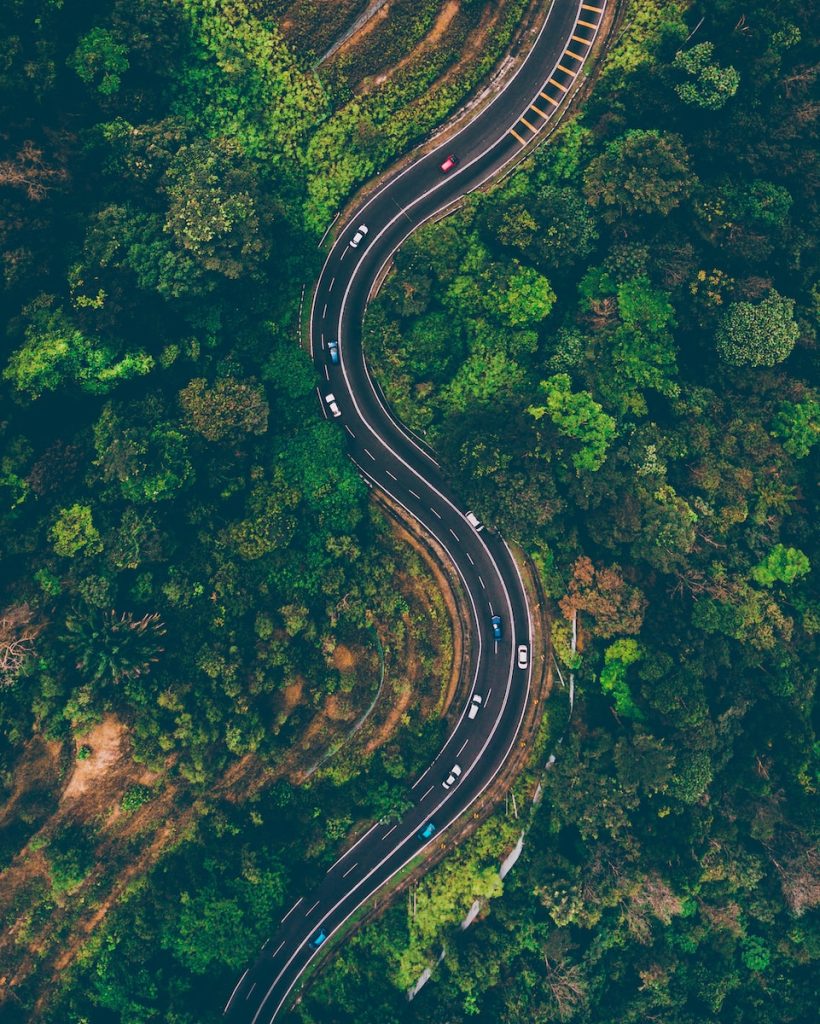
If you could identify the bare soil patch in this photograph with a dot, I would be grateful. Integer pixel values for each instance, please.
(106, 740)
(344, 659)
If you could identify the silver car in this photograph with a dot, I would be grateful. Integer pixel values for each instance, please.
(452, 778)
(475, 705)
(332, 405)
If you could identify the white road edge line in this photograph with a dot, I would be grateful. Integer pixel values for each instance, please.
(233, 994)
(352, 866)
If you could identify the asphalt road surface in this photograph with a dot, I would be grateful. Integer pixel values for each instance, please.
(396, 462)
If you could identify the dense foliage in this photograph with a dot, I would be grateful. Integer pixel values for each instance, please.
(613, 355)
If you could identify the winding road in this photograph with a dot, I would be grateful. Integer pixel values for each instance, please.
(393, 460)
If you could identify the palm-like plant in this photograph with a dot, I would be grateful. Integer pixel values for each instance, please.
(110, 648)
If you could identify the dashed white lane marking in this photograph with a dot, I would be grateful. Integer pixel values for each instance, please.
(481, 581)
(417, 496)
(390, 833)
(315, 905)
(429, 791)
(295, 905)
(392, 475)
(347, 428)
(438, 514)
(323, 339)
(487, 698)
(332, 282)
(277, 949)
(454, 533)
(495, 645)
(350, 869)
(250, 990)
(470, 557)
(372, 456)
(324, 311)
(327, 374)
(463, 745)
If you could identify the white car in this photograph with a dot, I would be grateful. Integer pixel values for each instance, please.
(523, 656)
(451, 779)
(475, 705)
(356, 240)
(474, 521)
(331, 404)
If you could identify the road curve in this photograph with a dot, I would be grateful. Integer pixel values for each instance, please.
(393, 460)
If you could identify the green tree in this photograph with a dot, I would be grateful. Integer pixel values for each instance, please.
(108, 648)
(617, 659)
(578, 416)
(642, 172)
(761, 334)
(706, 84)
(216, 213)
(56, 352)
(74, 532)
(227, 410)
(781, 565)
(798, 425)
(100, 59)
(524, 298)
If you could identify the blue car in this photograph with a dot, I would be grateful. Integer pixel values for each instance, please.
(317, 939)
(495, 621)
(427, 831)
(333, 349)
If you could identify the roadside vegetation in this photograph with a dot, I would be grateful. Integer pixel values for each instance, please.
(613, 354)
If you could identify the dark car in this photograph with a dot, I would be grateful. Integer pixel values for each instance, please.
(449, 164)
(333, 350)
(495, 622)
(317, 939)
(427, 831)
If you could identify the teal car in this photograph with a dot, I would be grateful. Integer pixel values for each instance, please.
(317, 939)
(427, 831)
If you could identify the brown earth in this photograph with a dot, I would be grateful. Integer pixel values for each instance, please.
(443, 21)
